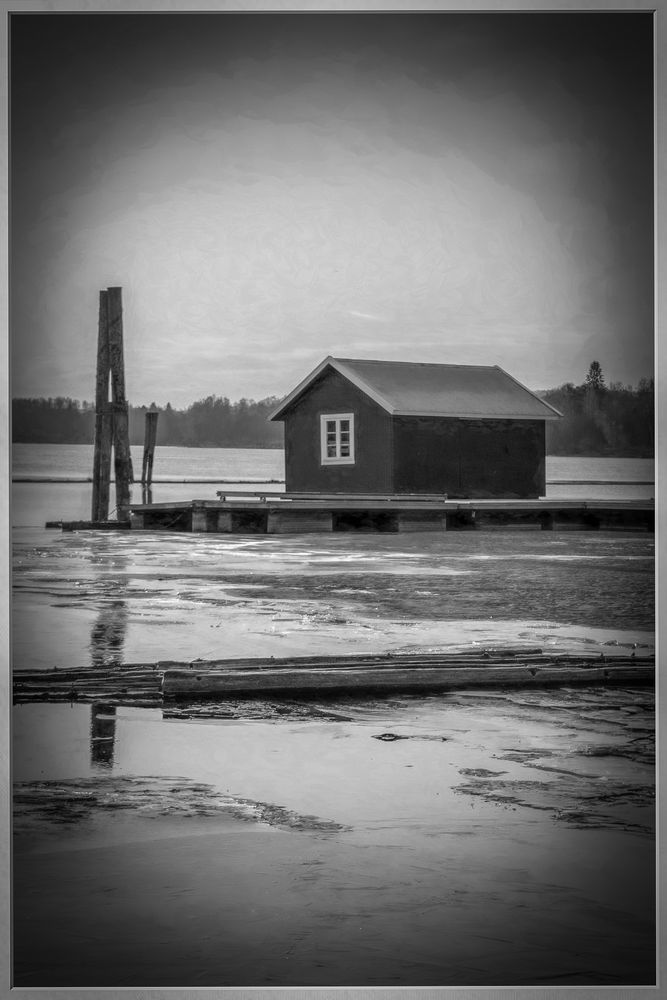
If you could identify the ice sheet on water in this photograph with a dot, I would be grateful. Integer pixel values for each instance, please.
(224, 596)
(40, 803)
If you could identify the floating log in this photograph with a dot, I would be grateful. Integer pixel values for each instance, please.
(388, 659)
(408, 678)
(115, 684)
(329, 675)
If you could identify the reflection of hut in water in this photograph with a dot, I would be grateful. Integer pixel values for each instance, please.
(102, 734)
(107, 636)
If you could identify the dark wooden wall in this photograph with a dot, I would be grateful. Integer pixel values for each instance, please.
(332, 393)
(469, 458)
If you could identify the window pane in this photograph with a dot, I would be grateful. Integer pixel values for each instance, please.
(337, 439)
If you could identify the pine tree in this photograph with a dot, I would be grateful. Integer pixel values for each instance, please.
(595, 378)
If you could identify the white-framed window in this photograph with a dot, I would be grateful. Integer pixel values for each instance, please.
(337, 438)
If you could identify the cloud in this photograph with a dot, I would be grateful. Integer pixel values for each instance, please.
(247, 204)
(365, 315)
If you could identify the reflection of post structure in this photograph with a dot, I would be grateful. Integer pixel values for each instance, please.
(150, 438)
(106, 647)
(111, 418)
(108, 635)
(102, 734)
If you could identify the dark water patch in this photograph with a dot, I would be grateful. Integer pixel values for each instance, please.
(197, 597)
(626, 711)
(92, 590)
(522, 756)
(585, 820)
(255, 708)
(592, 593)
(641, 749)
(480, 772)
(39, 804)
(392, 737)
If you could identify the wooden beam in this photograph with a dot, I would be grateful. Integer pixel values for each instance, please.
(319, 675)
(103, 421)
(121, 434)
(150, 438)
(193, 683)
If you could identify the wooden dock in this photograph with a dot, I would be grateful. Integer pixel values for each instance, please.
(151, 684)
(238, 512)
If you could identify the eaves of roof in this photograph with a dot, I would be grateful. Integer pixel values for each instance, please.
(345, 367)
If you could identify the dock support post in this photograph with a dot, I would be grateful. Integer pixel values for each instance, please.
(225, 521)
(121, 432)
(103, 420)
(422, 521)
(285, 522)
(150, 438)
(199, 519)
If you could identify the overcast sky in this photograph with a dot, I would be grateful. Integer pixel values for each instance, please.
(272, 188)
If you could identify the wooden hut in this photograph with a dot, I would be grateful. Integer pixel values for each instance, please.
(394, 427)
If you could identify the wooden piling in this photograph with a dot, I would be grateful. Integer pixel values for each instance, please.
(150, 438)
(100, 511)
(121, 434)
(282, 522)
(103, 420)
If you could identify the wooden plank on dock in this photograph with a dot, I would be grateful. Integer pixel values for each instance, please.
(421, 498)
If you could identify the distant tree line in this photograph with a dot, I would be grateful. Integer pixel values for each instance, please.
(597, 420)
(213, 422)
(600, 419)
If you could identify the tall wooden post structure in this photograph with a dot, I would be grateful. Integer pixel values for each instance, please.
(103, 421)
(111, 417)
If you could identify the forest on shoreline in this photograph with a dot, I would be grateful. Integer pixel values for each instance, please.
(598, 420)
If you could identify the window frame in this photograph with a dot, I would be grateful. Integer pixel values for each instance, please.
(338, 459)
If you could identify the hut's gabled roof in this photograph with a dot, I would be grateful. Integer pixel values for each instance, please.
(407, 388)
